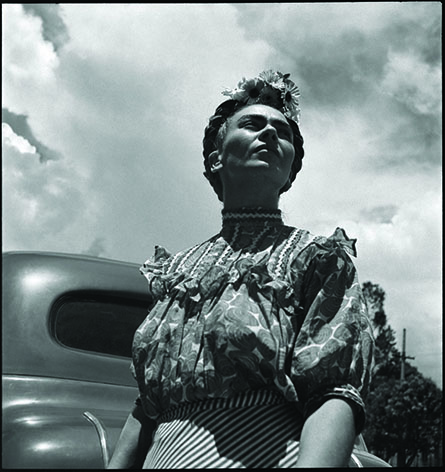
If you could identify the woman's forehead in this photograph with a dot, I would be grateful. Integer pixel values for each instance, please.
(260, 110)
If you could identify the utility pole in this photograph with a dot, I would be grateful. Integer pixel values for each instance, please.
(404, 356)
(401, 453)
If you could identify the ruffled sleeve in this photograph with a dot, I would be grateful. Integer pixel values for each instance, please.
(153, 269)
(333, 351)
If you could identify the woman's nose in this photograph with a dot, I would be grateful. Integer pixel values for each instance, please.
(269, 133)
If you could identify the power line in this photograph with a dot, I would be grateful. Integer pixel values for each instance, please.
(429, 353)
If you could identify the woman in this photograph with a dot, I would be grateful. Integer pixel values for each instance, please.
(258, 349)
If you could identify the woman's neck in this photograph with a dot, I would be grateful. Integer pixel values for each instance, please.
(254, 199)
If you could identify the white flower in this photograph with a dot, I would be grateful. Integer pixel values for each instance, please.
(270, 88)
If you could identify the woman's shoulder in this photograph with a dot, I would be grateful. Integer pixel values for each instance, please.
(322, 254)
(308, 245)
(337, 240)
(163, 261)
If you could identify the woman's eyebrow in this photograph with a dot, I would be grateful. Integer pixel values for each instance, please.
(261, 118)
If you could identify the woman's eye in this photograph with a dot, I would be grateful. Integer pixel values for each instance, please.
(285, 134)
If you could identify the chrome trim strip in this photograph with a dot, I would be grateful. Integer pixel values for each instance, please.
(102, 433)
(356, 461)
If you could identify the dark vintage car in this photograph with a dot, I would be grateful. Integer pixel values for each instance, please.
(67, 327)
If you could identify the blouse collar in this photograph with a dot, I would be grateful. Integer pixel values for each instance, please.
(251, 217)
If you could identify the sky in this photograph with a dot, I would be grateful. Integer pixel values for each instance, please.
(104, 108)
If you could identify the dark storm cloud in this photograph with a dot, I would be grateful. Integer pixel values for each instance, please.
(54, 28)
(344, 43)
(420, 31)
(329, 56)
(97, 248)
(381, 59)
(19, 124)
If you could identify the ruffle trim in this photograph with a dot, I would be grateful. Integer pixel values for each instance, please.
(250, 270)
(339, 239)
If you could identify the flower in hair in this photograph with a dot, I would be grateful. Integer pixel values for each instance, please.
(247, 91)
(271, 76)
(270, 88)
(290, 96)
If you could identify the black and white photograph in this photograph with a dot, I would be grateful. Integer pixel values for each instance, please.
(222, 235)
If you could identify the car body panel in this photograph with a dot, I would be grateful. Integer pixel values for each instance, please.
(44, 423)
(32, 284)
(47, 387)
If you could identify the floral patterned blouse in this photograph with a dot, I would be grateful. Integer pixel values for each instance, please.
(259, 306)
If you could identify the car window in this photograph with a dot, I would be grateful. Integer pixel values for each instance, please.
(98, 324)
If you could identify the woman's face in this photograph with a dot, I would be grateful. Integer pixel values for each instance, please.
(258, 144)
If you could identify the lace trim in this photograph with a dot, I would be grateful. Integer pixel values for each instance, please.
(253, 271)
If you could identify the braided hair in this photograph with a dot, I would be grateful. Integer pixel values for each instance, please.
(214, 136)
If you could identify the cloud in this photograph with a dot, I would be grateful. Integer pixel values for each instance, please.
(37, 198)
(402, 253)
(379, 214)
(413, 82)
(19, 124)
(31, 93)
(410, 236)
(140, 103)
(18, 142)
(53, 27)
(25, 56)
(379, 59)
(97, 248)
(127, 112)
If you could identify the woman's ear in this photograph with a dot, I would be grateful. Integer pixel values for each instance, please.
(215, 161)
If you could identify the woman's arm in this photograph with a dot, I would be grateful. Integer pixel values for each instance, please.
(328, 436)
(332, 358)
(134, 441)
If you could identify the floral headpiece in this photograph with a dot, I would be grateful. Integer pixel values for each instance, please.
(270, 88)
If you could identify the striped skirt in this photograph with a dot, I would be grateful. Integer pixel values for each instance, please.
(255, 429)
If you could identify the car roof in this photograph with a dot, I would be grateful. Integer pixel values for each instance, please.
(64, 255)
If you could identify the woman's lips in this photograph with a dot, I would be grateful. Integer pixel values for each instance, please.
(267, 149)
